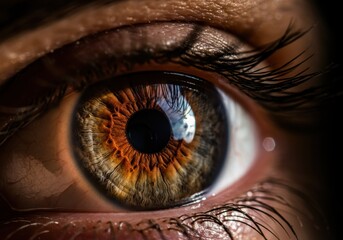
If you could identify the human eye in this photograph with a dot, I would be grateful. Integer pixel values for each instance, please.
(165, 125)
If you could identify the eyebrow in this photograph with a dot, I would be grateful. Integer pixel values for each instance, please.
(21, 15)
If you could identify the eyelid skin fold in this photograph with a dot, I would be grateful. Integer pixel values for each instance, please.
(14, 54)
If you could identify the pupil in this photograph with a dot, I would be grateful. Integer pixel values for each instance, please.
(148, 131)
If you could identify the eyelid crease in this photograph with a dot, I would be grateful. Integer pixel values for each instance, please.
(25, 47)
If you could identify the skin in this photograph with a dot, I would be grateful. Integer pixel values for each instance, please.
(42, 148)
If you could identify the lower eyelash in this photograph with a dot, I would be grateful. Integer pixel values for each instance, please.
(248, 214)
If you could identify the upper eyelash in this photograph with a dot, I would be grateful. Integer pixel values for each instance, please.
(239, 74)
(239, 71)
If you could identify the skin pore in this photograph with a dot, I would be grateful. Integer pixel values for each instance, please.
(275, 199)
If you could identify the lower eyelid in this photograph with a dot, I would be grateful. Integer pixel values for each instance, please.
(258, 213)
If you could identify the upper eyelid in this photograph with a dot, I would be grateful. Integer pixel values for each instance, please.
(222, 53)
(17, 52)
(21, 58)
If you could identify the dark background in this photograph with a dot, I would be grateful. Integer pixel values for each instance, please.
(332, 15)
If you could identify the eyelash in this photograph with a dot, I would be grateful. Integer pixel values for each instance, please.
(257, 200)
(240, 206)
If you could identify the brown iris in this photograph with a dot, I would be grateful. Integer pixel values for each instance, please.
(151, 140)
